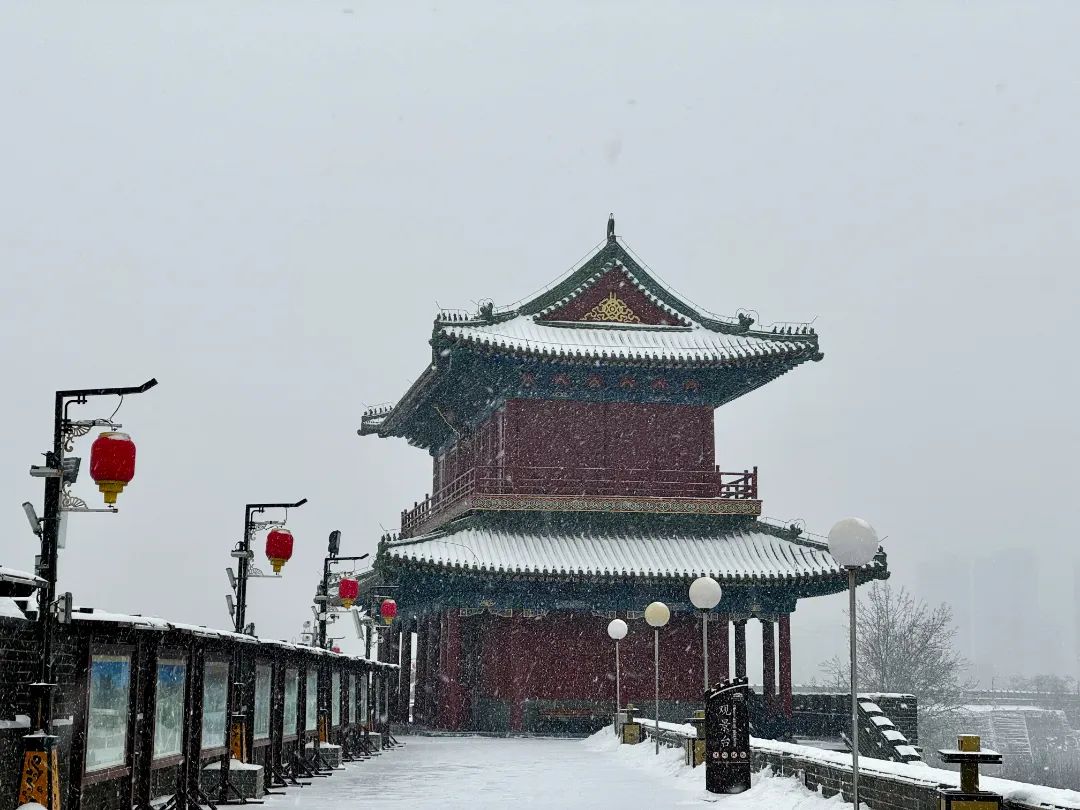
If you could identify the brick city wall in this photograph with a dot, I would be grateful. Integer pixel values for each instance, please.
(876, 791)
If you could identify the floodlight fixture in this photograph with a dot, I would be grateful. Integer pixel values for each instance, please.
(32, 518)
(69, 466)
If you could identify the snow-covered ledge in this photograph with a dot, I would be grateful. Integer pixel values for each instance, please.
(829, 770)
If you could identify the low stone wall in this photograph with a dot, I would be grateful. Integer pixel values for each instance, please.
(894, 786)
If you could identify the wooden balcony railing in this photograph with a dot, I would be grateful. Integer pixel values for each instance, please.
(581, 481)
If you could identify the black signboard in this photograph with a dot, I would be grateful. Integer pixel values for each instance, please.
(727, 737)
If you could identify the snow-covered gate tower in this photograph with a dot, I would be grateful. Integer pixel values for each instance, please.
(574, 480)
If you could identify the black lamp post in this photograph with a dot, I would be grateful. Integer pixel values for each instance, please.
(333, 547)
(59, 473)
(244, 555)
(237, 733)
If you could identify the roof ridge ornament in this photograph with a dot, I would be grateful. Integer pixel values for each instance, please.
(611, 227)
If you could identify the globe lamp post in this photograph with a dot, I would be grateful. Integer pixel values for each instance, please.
(616, 631)
(705, 594)
(657, 615)
(853, 544)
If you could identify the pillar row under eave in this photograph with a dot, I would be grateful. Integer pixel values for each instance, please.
(719, 652)
(785, 664)
(740, 648)
(404, 684)
(451, 693)
(393, 650)
(419, 684)
(768, 663)
(518, 674)
(432, 672)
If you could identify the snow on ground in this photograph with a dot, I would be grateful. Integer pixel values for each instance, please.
(484, 773)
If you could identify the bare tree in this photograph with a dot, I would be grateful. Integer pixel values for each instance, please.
(906, 646)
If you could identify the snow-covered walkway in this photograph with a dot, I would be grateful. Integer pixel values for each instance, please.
(479, 773)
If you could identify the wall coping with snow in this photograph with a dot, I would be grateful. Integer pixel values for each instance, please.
(887, 785)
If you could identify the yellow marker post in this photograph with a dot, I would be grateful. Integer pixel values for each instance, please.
(969, 755)
(40, 780)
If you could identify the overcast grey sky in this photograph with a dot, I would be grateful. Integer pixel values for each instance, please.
(261, 203)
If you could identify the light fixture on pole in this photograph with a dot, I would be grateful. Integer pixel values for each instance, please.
(705, 594)
(112, 465)
(657, 615)
(853, 543)
(616, 630)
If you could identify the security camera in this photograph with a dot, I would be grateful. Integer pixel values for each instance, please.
(31, 516)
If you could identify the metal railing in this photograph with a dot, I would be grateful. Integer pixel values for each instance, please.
(581, 481)
(673, 735)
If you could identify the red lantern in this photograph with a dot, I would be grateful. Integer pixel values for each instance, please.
(279, 544)
(388, 610)
(348, 589)
(112, 463)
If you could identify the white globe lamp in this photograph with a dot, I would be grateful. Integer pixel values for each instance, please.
(853, 543)
(705, 593)
(657, 614)
(616, 631)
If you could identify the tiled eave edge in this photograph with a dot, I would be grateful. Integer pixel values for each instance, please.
(792, 353)
(869, 573)
(617, 504)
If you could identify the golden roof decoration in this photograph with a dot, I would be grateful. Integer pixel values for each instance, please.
(612, 310)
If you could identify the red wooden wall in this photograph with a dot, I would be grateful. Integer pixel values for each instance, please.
(535, 433)
(570, 657)
(556, 433)
(615, 281)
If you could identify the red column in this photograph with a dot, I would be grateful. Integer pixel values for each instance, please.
(431, 690)
(438, 682)
(451, 695)
(518, 674)
(785, 664)
(768, 663)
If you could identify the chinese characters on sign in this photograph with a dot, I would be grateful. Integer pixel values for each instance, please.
(727, 737)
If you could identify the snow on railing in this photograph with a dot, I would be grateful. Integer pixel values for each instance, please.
(1017, 794)
(581, 481)
(673, 735)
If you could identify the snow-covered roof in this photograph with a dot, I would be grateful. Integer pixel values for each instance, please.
(583, 318)
(19, 577)
(9, 609)
(154, 623)
(750, 551)
(694, 344)
(680, 332)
